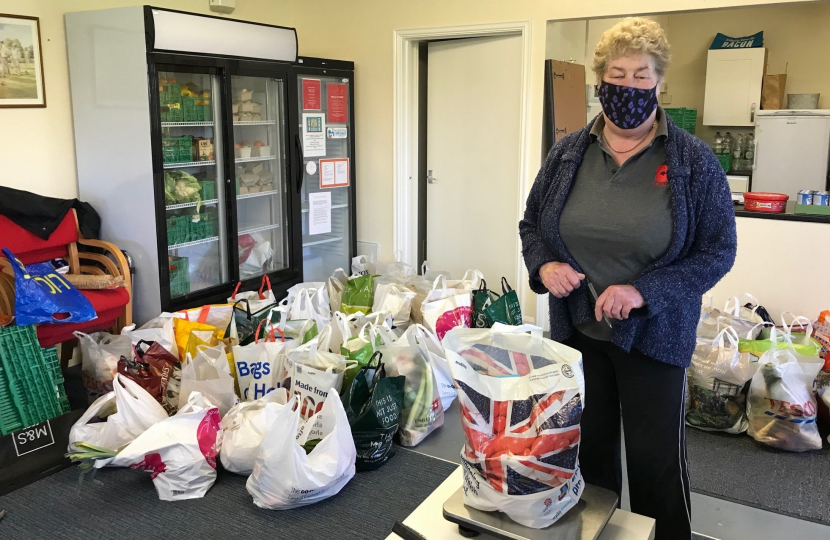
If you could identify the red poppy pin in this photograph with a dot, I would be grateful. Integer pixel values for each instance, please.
(661, 177)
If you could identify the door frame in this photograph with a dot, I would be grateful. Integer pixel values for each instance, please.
(405, 132)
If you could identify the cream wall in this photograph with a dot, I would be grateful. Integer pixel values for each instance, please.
(41, 146)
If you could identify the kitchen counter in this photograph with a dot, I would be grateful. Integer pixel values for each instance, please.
(789, 215)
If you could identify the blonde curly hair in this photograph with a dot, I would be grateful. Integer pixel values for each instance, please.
(631, 37)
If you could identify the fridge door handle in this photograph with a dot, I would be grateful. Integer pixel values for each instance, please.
(754, 153)
(299, 148)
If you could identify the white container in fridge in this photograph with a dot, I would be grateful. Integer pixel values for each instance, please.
(242, 153)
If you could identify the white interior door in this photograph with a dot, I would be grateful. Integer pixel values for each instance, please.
(473, 145)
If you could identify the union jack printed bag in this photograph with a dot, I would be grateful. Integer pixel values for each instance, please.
(521, 399)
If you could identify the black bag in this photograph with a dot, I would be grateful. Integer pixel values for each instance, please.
(373, 404)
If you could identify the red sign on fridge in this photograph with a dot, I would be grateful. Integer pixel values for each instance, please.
(338, 107)
(311, 94)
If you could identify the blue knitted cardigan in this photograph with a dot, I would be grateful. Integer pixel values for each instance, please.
(702, 249)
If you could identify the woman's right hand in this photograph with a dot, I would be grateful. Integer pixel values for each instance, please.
(560, 279)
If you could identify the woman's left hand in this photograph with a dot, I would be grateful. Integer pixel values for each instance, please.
(617, 301)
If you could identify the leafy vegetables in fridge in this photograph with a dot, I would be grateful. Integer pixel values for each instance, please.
(180, 187)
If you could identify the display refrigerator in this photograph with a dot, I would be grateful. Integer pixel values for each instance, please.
(190, 144)
(323, 137)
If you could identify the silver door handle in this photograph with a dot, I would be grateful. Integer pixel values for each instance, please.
(752, 114)
(431, 179)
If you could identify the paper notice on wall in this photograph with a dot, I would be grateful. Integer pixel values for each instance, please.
(319, 213)
(314, 135)
(334, 173)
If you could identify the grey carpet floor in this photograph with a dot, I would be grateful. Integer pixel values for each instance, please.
(738, 469)
(125, 506)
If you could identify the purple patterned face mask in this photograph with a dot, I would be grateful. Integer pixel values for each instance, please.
(625, 106)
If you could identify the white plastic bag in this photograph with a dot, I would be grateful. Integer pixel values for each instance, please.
(257, 300)
(420, 335)
(284, 476)
(179, 452)
(422, 412)
(396, 299)
(161, 329)
(782, 407)
(310, 384)
(521, 398)
(746, 322)
(335, 285)
(128, 410)
(716, 378)
(210, 375)
(244, 428)
(363, 264)
(309, 304)
(259, 368)
(100, 353)
(446, 308)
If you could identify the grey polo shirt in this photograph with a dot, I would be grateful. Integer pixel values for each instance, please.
(618, 220)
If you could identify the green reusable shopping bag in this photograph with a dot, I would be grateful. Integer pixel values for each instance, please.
(802, 344)
(505, 309)
(482, 297)
(362, 354)
(358, 295)
(373, 405)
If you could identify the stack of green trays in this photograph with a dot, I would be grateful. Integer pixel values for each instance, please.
(208, 189)
(179, 276)
(684, 118)
(204, 228)
(170, 101)
(177, 149)
(196, 109)
(31, 383)
(178, 230)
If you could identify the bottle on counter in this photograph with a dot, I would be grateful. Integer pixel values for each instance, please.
(717, 148)
(727, 143)
(749, 154)
(738, 147)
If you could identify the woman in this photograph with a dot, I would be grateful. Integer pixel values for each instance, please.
(639, 210)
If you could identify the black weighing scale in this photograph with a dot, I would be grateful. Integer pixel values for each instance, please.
(585, 521)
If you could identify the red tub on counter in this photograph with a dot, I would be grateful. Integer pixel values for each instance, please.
(761, 201)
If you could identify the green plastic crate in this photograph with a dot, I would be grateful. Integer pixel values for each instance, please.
(171, 111)
(685, 118)
(177, 149)
(204, 228)
(725, 161)
(179, 276)
(178, 230)
(208, 190)
(197, 109)
(53, 367)
(30, 380)
(170, 91)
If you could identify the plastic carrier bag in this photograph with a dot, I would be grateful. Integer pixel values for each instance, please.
(43, 296)
(285, 475)
(358, 295)
(445, 308)
(717, 377)
(179, 452)
(373, 405)
(335, 286)
(782, 407)
(161, 329)
(100, 353)
(126, 412)
(209, 374)
(396, 299)
(422, 412)
(420, 335)
(157, 371)
(521, 398)
(259, 366)
(244, 428)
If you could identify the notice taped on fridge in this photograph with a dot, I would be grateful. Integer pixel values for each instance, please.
(314, 134)
(334, 173)
(336, 100)
(319, 213)
(311, 94)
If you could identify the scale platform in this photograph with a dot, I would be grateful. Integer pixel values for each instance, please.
(585, 521)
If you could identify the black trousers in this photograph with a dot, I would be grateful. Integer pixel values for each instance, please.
(651, 395)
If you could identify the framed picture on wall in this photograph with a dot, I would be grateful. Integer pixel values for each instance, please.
(21, 63)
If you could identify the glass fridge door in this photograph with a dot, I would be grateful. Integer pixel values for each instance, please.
(326, 140)
(261, 191)
(191, 139)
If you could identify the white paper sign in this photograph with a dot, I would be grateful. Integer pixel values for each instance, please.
(319, 213)
(327, 172)
(314, 134)
(341, 172)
